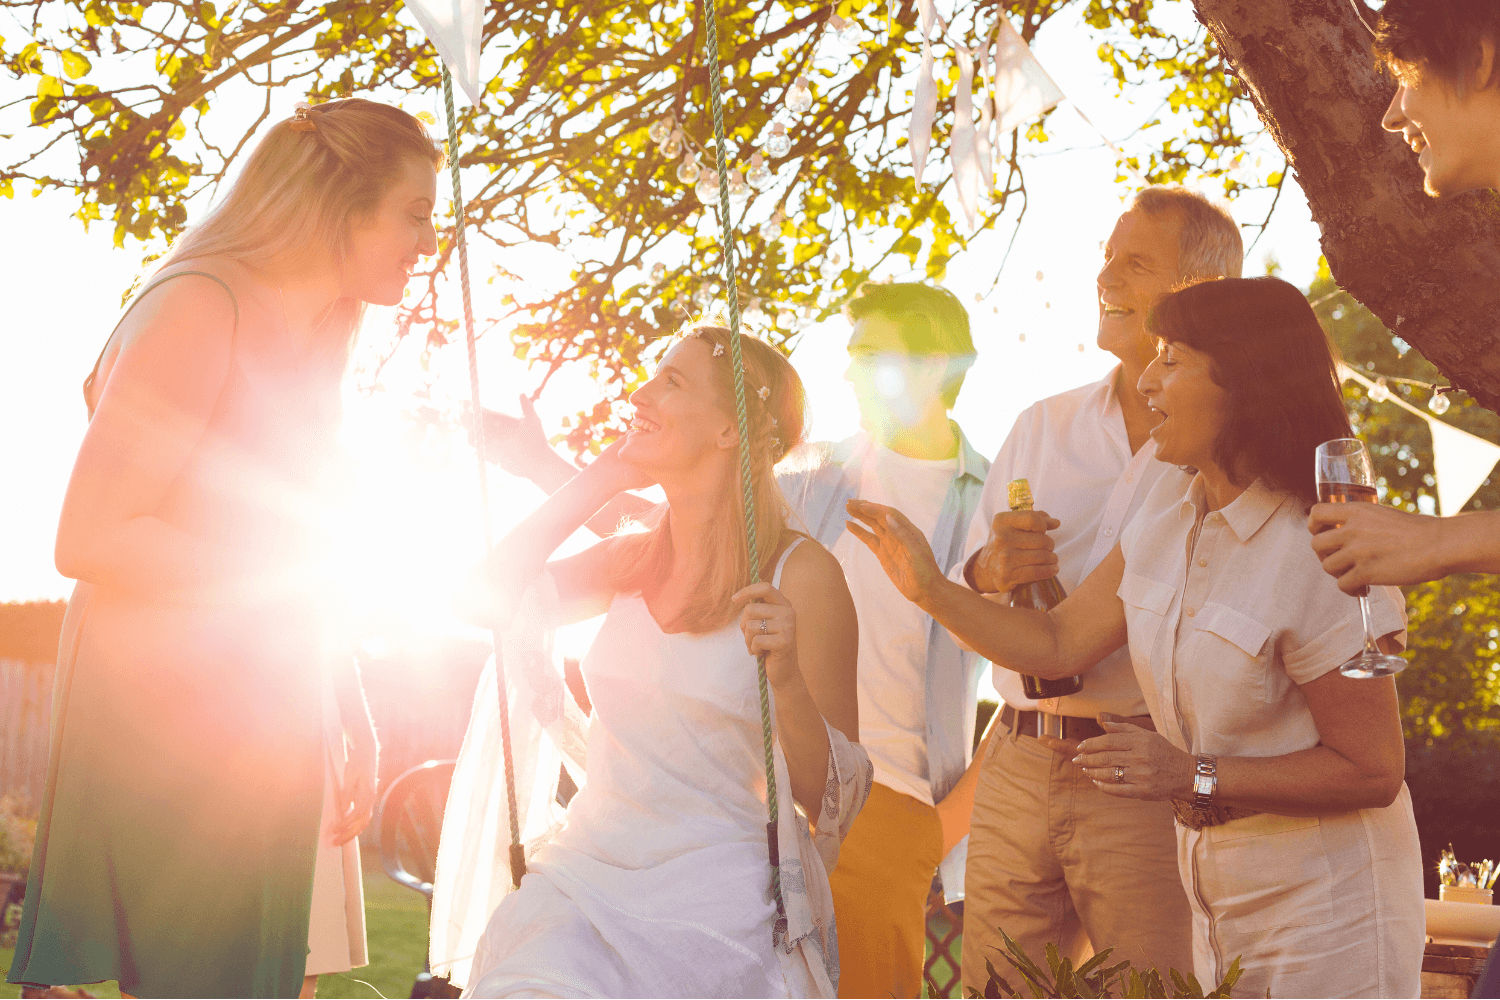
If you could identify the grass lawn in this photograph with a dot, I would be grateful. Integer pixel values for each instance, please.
(395, 926)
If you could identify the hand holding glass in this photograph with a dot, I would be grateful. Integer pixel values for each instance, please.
(1345, 475)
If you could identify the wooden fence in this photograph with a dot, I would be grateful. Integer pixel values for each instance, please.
(25, 714)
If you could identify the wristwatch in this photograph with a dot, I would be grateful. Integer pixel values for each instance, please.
(1205, 781)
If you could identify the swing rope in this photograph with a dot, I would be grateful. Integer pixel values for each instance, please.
(517, 852)
(721, 158)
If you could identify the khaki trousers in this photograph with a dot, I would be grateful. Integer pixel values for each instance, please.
(1054, 860)
(880, 891)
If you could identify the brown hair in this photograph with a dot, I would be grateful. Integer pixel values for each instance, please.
(930, 320)
(1441, 37)
(293, 204)
(641, 560)
(1210, 245)
(1270, 354)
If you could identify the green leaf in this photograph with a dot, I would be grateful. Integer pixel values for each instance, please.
(75, 64)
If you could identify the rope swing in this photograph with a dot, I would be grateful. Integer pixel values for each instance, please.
(517, 852)
(721, 161)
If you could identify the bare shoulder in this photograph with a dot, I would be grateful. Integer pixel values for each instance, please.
(189, 300)
(812, 573)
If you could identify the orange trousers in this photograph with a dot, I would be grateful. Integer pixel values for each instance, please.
(880, 892)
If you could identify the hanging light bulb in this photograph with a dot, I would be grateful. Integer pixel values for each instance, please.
(786, 319)
(1023, 338)
(1039, 276)
(671, 146)
(687, 170)
(978, 297)
(832, 267)
(708, 188)
(779, 144)
(1439, 403)
(771, 228)
(738, 189)
(799, 96)
(844, 31)
(661, 129)
(758, 175)
(658, 273)
(1380, 391)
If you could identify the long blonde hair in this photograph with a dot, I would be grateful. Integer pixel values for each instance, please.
(292, 207)
(776, 422)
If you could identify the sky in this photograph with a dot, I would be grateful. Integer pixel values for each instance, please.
(416, 527)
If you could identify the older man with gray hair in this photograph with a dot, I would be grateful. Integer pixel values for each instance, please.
(1052, 859)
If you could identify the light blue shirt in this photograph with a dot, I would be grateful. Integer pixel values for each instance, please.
(816, 492)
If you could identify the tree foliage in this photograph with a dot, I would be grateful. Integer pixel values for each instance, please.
(123, 98)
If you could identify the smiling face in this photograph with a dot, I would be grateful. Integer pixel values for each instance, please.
(1141, 264)
(1456, 139)
(384, 246)
(680, 420)
(1190, 406)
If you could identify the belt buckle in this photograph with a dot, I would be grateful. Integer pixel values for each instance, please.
(1048, 724)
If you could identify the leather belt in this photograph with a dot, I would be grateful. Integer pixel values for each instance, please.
(1064, 727)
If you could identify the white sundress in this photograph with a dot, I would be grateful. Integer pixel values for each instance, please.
(655, 882)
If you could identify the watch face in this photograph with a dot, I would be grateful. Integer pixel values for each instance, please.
(1203, 785)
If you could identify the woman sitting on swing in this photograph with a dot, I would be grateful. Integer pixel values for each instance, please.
(658, 881)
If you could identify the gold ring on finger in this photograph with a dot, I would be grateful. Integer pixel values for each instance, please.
(1119, 775)
(763, 629)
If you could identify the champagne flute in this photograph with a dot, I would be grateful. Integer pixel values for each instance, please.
(1345, 475)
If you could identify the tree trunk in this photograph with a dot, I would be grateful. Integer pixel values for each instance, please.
(1430, 270)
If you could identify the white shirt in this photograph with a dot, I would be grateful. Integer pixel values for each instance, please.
(1074, 450)
(1225, 628)
(892, 681)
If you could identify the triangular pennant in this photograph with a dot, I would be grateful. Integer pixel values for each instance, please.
(924, 99)
(1460, 464)
(961, 142)
(1023, 90)
(455, 28)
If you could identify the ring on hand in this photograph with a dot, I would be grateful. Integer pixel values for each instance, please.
(763, 629)
(1119, 775)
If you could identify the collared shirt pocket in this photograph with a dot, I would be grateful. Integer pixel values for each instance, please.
(1248, 637)
(1146, 604)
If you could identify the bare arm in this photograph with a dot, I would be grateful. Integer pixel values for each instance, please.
(1359, 762)
(957, 808)
(1066, 641)
(1363, 544)
(521, 448)
(811, 645)
(160, 395)
(495, 586)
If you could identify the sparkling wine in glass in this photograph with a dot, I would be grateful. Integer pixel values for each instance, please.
(1345, 475)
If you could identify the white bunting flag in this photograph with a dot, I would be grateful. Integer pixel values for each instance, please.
(1023, 90)
(984, 139)
(1460, 461)
(962, 147)
(924, 98)
(455, 28)
(1460, 464)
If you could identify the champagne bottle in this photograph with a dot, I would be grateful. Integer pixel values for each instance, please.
(1043, 595)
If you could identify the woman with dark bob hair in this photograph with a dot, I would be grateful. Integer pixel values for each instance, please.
(1296, 841)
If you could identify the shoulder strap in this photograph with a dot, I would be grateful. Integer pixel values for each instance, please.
(781, 563)
(88, 383)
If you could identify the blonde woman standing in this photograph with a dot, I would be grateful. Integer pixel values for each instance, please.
(180, 819)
